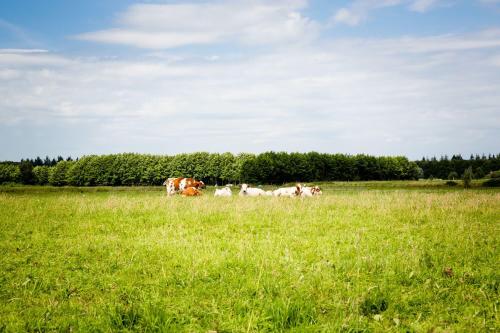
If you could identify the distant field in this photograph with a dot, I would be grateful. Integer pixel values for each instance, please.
(366, 256)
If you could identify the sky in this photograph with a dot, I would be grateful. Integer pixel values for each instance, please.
(388, 77)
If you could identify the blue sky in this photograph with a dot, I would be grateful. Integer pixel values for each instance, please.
(388, 77)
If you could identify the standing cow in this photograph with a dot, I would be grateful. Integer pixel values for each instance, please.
(176, 185)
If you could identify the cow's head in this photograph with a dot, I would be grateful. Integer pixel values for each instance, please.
(315, 190)
(165, 183)
(244, 188)
(201, 184)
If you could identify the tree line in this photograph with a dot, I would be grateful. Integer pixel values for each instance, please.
(266, 168)
(454, 167)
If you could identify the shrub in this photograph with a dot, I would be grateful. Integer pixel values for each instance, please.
(493, 182)
(452, 175)
(467, 177)
(451, 183)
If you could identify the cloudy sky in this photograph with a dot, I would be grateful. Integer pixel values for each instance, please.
(387, 77)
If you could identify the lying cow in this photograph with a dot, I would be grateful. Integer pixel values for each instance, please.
(288, 191)
(309, 191)
(223, 192)
(250, 191)
(191, 192)
(176, 185)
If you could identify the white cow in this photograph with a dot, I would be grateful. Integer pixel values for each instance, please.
(288, 191)
(223, 192)
(269, 193)
(309, 191)
(251, 191)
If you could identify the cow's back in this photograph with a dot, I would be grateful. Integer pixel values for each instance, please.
(191, 192)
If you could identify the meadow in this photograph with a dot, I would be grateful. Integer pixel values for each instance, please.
(364, 257)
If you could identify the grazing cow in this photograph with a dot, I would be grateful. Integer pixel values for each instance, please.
(191, 192)
(251, 191)
(288, 191)
(176, 185)
(223, 192)
(311, 191)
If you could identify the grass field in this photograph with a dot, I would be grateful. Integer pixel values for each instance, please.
(368, 256)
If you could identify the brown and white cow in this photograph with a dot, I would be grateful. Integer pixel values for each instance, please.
(294, 191)
(179, 184)
(191, 192)
(311, 191)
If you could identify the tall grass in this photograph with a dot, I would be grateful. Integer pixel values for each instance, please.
(352, 260)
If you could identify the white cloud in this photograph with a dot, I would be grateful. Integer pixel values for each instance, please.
(359, 10)
(349, 17)
(409, 96)
(163, 26)
(422, 6)
(487, 39)
(23, 57)
(20, 51)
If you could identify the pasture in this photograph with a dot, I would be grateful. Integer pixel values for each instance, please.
(368, 256)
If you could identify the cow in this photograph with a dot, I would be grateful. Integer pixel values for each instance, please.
(269, 193)
(191, 192)
(288, 191)
(223, 192)
(251, 191)
(176, 185)
(309, 191)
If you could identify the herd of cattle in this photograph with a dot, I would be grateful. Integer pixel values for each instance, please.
(190, 187)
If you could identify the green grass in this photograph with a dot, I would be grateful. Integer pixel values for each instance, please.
(366, 256)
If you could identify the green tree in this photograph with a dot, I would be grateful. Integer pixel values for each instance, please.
(26, 170)
(246, 168)
(41, 174)
(479, 173)
(58, 174)
(228, 171)
(419, 172)
(9, 173)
